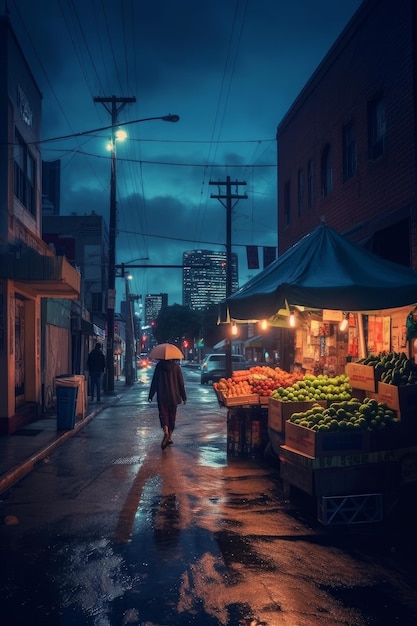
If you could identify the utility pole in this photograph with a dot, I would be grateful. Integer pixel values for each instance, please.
(130, 354)
(113, 105)
(229, 201)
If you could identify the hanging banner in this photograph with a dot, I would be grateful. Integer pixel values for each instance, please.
(270, 253)
(252, 256)
(379, 333)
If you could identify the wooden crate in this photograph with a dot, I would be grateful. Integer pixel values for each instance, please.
(337, 481)
(316, 443)
(402, 399)
(361, 394)
(264, 400)
(360, 479)
(219, 395)
(345, 460)
(390, 438)
(297, 476)
(241, 400)
(362, 376)
(279, 412)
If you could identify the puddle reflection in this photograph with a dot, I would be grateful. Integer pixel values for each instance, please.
(167, 521)
(210, 456)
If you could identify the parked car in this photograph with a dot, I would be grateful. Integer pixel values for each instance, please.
(214, 366)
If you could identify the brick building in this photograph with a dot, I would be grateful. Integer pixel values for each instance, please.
(347, 146)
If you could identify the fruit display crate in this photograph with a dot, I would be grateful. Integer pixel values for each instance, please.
(393, 438)
(402, 399)
(316, 443)
(219, 395)
(375, 477)
(340, 460)
(362, 376)
(241, 400)
(279, 412)
(264, 400)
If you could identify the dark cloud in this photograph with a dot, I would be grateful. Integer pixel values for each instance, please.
(230, 69)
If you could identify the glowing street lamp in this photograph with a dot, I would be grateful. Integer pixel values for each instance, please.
(118, 134)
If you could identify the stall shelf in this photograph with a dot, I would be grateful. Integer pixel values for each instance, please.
(247, 434)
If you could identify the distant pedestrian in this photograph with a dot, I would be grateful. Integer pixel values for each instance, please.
(96, 364)
(168, 384)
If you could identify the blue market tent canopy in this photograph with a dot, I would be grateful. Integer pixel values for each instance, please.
(324, 270)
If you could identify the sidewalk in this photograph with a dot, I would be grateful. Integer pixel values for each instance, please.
(20, 451)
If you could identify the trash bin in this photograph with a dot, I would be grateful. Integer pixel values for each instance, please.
(67, 388)
(75, 380)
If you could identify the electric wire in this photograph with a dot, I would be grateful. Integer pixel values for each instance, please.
(139, 187)
(90, 56)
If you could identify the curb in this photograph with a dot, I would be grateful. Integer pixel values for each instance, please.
(13, 476)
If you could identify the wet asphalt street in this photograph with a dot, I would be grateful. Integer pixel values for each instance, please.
(111, 530)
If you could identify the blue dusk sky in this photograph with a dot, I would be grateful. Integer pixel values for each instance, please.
(229, 68)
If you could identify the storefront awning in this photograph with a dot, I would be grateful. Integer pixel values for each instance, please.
(323, 270)
(87, 328)
(254, 342)
(222, 344)
(44, 276)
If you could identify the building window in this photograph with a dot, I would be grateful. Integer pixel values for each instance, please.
(326, 171)
(287, 204)
(349, 151)
(24, 175)
(376, 128)
(310, 188)
(300, 191)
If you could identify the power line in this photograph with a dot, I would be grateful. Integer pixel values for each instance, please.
(171, 163)
(109, 127)
(193, 241)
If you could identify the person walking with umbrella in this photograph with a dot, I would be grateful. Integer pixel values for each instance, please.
(168, 385)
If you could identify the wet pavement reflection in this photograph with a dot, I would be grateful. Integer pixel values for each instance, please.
(111, 530)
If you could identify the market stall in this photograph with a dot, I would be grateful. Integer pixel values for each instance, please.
(362, 448)
(246, 396)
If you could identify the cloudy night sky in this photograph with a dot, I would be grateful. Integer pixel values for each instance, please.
(229, 68)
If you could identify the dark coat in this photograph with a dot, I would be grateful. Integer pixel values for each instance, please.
(168, 383)
(96, 361)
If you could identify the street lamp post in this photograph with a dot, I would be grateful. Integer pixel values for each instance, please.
(111, 286)
(116, 135)
(129, 334)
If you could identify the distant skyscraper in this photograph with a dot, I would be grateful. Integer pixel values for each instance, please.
(204, 278)
(153, 304)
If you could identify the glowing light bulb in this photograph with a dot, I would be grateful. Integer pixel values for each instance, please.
(344, 323)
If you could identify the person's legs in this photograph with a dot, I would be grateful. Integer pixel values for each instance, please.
(93, 382)
(164, 421)
(95, 378)
(171, 422)
(165, 438)
(98, 383)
